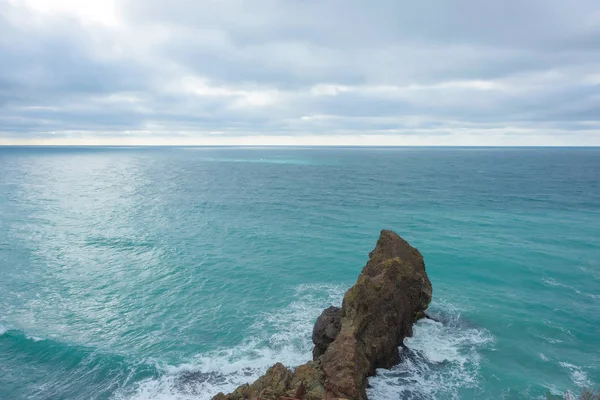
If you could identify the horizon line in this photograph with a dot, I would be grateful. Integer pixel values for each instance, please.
(300, 145)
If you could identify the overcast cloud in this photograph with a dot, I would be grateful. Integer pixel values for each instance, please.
(466, 72)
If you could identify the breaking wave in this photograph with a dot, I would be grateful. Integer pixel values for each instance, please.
(442, 357)
(282, 337)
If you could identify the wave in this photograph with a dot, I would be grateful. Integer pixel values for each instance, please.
(553, 282)
(283, 337)
(440, 359)
(578, 376)
(55, 369)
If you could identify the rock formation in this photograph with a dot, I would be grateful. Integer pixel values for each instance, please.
(326, 329)
(377, 313)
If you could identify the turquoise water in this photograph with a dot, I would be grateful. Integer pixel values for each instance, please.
(175, 273)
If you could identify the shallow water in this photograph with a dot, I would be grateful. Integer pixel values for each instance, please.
(175, 273)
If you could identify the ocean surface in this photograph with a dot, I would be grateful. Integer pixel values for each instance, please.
(176, 273)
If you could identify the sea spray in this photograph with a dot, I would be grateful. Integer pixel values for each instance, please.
(440, 360)
(284, 336)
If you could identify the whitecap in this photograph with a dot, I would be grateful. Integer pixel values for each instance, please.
(553, 282)
(578, 376)
(549, 339)
(550, 281)
(34, 338)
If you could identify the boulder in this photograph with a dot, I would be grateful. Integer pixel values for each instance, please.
(326, 329)
(377, 313)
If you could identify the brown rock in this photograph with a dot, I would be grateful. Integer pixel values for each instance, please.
(305, 383)
(392, 292)
(377, 313)
(271, 385)
(310, 377)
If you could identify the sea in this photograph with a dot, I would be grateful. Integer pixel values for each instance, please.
(137, 273)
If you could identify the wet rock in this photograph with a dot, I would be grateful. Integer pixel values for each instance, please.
(377, 313)
(326, 329)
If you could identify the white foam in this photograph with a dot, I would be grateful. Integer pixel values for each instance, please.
(550, 281)
(442, 359)
(549, 339)
(543, 357)
(284, 336)
(34, 338)
(3, 330)
(553, 282)
(578, 376)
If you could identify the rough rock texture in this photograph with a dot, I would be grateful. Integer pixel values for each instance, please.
(306, 383)
(326, 329)
(391, 293)
(377, 313)
(272, 385)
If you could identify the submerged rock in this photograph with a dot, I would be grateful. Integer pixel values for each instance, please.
(377, 313)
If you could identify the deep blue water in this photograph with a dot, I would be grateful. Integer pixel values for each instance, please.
(175, 273)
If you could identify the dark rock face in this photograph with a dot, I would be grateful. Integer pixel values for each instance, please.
(326, 329)
(377, 313)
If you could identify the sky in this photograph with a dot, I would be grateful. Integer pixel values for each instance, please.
(300, 72)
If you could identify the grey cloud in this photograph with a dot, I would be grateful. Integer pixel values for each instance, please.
(356, 24)
(311, 67)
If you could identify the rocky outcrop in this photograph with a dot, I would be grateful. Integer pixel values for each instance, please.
(306, 383)
(391, 293)
(377, 313)
(326, 329)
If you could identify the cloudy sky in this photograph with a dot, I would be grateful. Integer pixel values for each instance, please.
(463, 72)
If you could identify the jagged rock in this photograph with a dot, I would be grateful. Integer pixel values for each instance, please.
(377, 313)
(310, 376)
(391, 293)
(326, 329)
(271, 385)
(305, 383)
